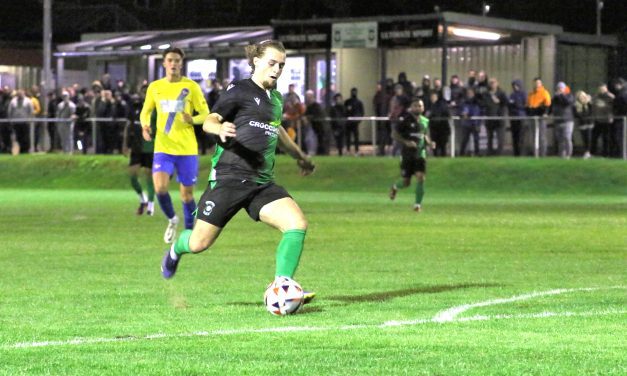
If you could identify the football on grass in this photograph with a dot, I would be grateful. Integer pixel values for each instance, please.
(283, 296)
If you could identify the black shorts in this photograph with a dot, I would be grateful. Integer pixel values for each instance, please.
(409, 166)
(142, 159)
(219, 204)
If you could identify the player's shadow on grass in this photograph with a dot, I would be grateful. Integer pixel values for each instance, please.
(381, 296)
(387, 295)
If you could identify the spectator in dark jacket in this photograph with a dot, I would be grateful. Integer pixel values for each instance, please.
(103, 109)
(82, 128)
(355, 108)
(517, 105)
(338, 122)
(405, 84)
(603, 117)
(398, 103)
(5, 128)
(457, 91)
(470, 127)
(316, 118)
(438, 115)
(51, 112)
(381, 103)
(425, 89)
(495, 103)
(121, 112)
(620, 111)
(562, 109)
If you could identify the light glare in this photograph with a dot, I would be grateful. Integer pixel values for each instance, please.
(475, 34)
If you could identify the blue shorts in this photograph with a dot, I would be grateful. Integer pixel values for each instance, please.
(186, 167)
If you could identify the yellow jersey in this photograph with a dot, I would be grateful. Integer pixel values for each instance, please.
(170, 99)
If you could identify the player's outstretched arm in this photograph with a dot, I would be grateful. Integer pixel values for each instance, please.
(144, 116)
(214, 124)
(286, 144)
(200, 105)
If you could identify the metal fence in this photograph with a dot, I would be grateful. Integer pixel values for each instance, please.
(533, 123)
(38, 131)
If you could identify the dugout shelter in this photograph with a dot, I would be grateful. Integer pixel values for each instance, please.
(361, 51)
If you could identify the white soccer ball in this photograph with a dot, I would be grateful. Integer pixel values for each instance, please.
(283, 296)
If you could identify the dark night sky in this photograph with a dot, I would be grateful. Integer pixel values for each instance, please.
(21, 20)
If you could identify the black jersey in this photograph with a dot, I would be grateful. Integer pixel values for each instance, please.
(256, 114)
(413, 128)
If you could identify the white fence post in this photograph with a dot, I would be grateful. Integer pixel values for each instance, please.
(451, 124)
(624, 137)
(536, 136)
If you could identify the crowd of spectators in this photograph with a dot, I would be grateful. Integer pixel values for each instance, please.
(323, 129)
(108, 105)
(483, 106)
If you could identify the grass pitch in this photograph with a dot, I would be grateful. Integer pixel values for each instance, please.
(514, 267)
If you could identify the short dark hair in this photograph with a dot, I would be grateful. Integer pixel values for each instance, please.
(174, 50)
(416, 99)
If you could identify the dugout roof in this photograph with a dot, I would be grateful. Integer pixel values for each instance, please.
(153, 42)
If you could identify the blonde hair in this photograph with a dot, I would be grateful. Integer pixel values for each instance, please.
(583, 97)
(258, 49)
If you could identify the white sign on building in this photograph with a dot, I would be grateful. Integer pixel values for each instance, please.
(354, 35)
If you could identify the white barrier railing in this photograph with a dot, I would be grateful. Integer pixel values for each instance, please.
(71, 122)
(526, 121)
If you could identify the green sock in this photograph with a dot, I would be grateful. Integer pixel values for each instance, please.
(420, 192)
(182, 243)
(399, 184)
(150, 187)
(136, 186)
(288, 252)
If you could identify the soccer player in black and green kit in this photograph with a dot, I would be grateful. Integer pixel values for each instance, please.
(412, 132)
(247, 119)
(141, 155)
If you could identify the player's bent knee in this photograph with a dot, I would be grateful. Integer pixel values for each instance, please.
(203, 236)
(297, 224)
(200, 245)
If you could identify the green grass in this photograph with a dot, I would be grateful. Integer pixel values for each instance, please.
(78, 264)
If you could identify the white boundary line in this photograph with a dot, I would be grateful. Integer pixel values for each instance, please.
(446, 316)
(451, 313)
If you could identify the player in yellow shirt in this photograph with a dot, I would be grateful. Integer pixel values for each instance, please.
(175, 99)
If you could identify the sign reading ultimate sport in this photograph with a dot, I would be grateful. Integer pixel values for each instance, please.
(408, 33)
(304, 36)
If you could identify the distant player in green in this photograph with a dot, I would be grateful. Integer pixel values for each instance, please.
(141, 153)
(247, 119)
(412, 132)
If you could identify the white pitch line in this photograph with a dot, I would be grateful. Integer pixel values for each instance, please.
(446, 316)
(451, 313)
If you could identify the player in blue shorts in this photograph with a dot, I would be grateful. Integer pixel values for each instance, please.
(175, 98)
(247, 119)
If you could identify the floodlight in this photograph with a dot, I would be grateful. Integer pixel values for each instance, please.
(474, 34)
